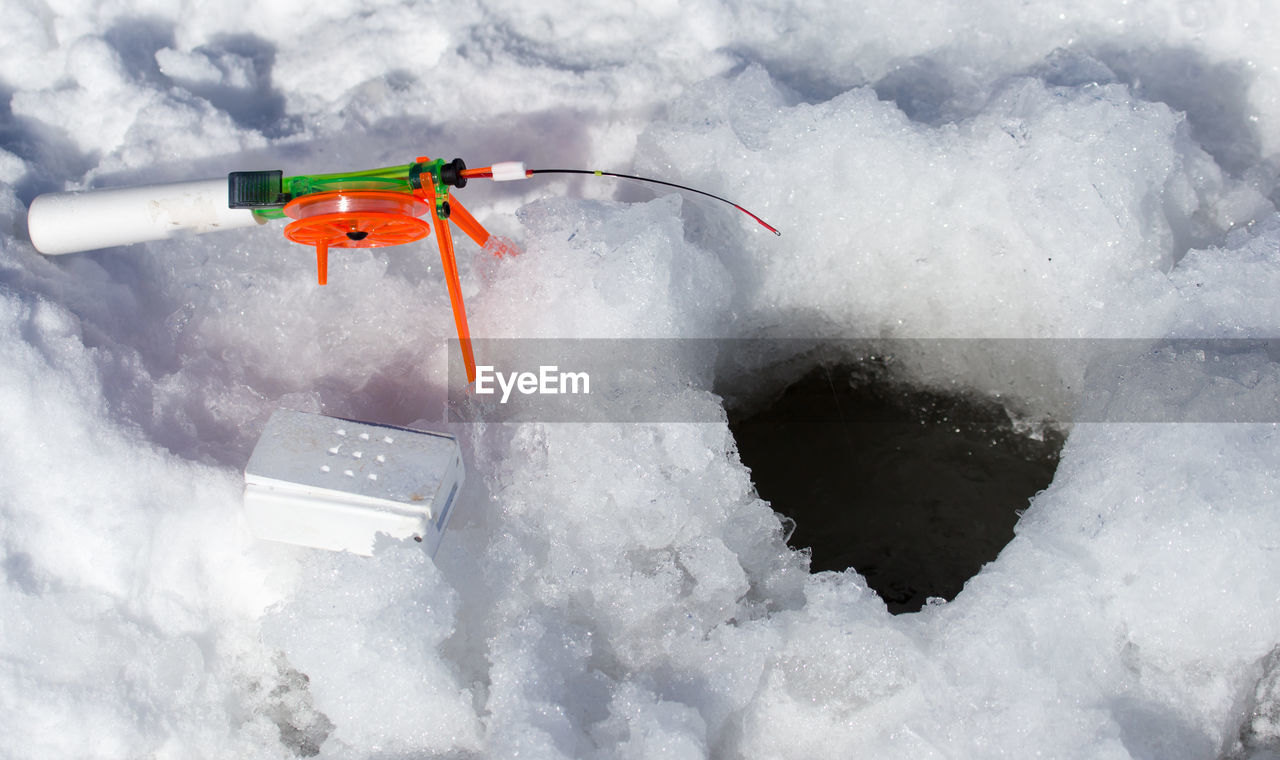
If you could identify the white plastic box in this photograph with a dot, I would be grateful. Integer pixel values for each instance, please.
(336, 484)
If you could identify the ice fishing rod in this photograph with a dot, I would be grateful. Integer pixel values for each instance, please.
(362, 209)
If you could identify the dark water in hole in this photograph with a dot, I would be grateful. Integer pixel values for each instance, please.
(915, 490)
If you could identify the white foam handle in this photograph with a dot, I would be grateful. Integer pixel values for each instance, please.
(84, 221)
(506, 171)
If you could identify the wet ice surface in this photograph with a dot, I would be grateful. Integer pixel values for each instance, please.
(985, 171)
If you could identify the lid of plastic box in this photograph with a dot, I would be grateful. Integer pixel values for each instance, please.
(313, 453)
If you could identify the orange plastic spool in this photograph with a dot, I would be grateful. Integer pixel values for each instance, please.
(354, 219)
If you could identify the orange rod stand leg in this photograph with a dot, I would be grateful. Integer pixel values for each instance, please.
(459, 215)
(445, 240)
(322, 262)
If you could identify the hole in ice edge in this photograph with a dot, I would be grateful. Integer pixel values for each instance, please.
(914, 489)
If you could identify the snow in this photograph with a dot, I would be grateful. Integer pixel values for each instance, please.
(1067, 173)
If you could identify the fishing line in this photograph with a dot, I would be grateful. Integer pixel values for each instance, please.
(598, 173)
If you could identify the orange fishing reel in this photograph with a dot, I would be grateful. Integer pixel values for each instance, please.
(373, 209)
(355, 219)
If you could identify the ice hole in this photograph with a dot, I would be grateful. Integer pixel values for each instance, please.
(914, 489)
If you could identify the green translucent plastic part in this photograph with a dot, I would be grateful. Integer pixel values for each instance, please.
(391, 178)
